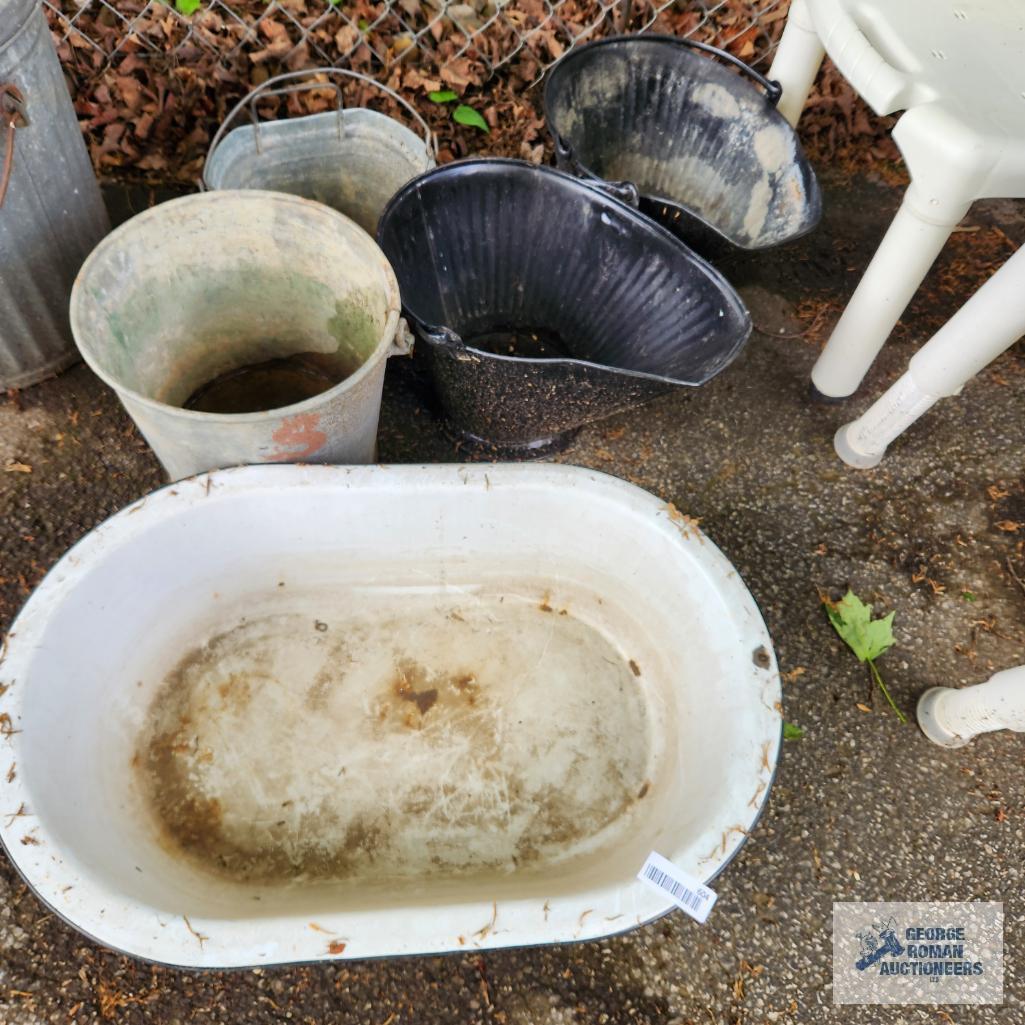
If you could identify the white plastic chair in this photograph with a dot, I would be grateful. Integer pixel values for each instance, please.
(957, 69)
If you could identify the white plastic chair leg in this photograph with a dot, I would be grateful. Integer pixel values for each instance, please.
(907, 251)
(991, 321)
(797, 61)
(952, 717)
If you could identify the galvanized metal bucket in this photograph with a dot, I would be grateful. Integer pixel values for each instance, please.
(205, 285)
(353, 160)
(51, 212)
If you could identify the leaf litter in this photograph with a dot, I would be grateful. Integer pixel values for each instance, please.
(150, 109)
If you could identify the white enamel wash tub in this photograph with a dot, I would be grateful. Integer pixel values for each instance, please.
(287, 713)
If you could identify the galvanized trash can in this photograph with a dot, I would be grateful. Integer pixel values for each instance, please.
(51, 214)
(242, 327)
(351, 159)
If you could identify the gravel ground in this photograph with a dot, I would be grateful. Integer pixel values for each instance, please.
(863, 808)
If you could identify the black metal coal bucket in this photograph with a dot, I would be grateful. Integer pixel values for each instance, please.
(708, 153)
(546, 304)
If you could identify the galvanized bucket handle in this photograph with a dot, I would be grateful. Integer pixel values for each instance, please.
(274, 87)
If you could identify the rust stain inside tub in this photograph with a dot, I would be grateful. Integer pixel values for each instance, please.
(417, 737)
(410, 675)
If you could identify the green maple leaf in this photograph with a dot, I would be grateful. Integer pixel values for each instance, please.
(868, 638)
(852, 619)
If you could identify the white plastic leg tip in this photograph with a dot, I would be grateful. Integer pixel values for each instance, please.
(929, 712)
(852, 456)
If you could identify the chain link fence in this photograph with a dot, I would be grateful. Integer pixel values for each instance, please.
(153, 78)
(379, 35)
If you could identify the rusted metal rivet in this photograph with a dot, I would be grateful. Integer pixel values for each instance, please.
(761, 657)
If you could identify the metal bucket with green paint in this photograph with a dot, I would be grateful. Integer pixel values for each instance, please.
(242, 327)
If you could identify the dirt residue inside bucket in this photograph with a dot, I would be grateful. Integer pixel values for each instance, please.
(525, 342)
(270, 384)
(401, 736)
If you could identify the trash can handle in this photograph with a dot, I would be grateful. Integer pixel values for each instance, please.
(12, 114)
(773, 90)
(274, 87)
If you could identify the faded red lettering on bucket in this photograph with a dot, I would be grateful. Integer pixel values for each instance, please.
(301, 434)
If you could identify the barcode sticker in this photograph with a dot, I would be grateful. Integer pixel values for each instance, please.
(686, 892)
